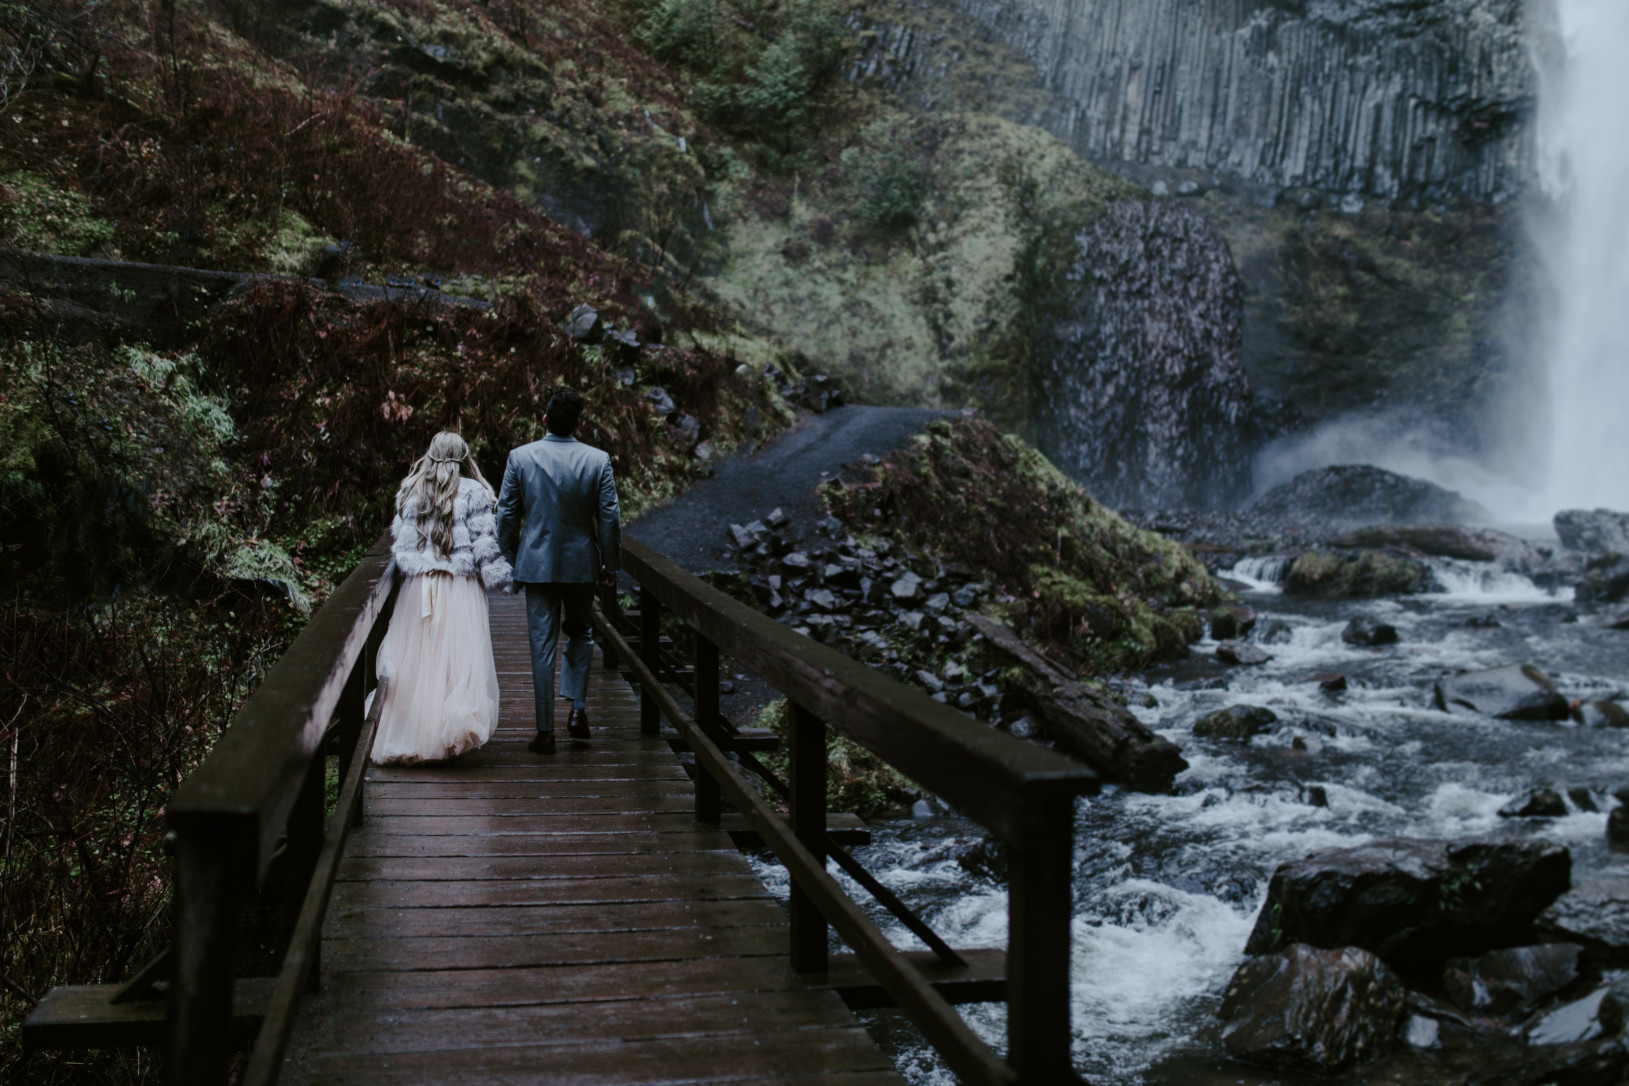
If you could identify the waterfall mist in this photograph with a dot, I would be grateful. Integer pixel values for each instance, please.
(1583, 156)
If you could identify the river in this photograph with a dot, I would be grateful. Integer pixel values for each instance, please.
(1167, 887)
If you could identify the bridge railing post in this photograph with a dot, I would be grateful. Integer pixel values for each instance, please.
(1039, 908)
(808, 818)
(205, 930)
(709, 801)
(650, 651)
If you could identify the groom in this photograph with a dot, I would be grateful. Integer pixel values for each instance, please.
(560, 528)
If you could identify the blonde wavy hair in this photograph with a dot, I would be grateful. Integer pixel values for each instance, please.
(432, 485)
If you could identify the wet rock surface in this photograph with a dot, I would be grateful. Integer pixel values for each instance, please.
(1359, 494)
(1238, 723)
(1413, 902)
(1512, 692)
(1143, 396)
(1502, 981)
(1593, 530)
(1536, 803)
(1311, 1009)
(1594, 914)
(1356, 575)
(1367, 631)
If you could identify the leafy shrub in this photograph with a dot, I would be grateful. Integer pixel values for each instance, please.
(892, 184)
(774, 95)
(683, 32)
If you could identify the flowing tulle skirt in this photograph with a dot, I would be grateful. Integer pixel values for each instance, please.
(442, 692)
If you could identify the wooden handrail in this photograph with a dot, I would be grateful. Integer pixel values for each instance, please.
(970, 1057)
(262, 784)
(1023, 793)
(247, 785)
(982, 772)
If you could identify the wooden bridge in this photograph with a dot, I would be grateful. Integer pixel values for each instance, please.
(585, 917)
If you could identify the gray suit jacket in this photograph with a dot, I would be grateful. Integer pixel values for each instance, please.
(558, 519)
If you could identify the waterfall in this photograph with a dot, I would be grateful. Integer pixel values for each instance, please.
(1583, 149)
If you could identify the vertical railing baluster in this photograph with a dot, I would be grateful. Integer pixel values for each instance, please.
(808, 816)
(650, 651)
(1040, 874)
(352, 709)
(611, 608)
(709, 802)
(305, 837)
(200, 1012)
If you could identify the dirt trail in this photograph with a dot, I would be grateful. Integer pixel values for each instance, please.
(693, 528)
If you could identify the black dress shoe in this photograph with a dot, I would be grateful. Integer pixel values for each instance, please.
(543, 744)
(577, 723)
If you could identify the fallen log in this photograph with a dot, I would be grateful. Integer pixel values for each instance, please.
(1083, 720)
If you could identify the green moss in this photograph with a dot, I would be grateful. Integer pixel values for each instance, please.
(294, 247)
(1359, 574)
(938, 315)
(39, 215)
(1073, 572)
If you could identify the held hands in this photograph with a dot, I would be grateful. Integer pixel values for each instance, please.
(608, 578)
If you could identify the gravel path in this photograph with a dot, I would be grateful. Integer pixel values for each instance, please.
(693, 528)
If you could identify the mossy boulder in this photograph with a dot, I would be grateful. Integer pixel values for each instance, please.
(1072, 572)
(1238, 723)
(1356, 575)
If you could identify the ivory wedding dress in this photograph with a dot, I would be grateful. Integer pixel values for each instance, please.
(435, 662)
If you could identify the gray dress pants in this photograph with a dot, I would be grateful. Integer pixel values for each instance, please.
(545, 604)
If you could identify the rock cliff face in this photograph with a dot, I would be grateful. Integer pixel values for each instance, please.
(1377, 97)
(1144, 398)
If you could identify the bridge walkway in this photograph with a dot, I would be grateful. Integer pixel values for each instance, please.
(513, 918)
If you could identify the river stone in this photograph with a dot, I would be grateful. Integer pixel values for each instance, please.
(1355, 575)
(1602, 1013)
(1535, 803)
(1231, 621)
(1512, 692)
(1367, 631)
(1502, 981)
(1617, 828)
(906, 588)
(1239, 652)
(1239, 722)
(1442, 541)
(1593, 530)
(1276, 632)
(1358, 494)
(1309, 1009)
(1593, 914)
(1618, 620)
(1412, 901)
(1605, 580)
(1601, 714)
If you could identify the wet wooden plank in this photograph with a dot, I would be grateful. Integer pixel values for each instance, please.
(591, 866)
(562, 919)
(519, 918)
(395, 894)
(507, 951)
(687, 1059)
(364, 1033)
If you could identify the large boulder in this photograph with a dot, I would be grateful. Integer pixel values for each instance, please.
(1444, 541)
(1414, 902)
(1512, 692)
(1309, 1009)
(1143, 397)
(1593, 530)
(1355, 575)
(1359, 494)
(1239, 722)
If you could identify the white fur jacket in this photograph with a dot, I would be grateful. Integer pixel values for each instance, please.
(474, 536)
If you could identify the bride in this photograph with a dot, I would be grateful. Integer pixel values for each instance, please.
(435, 662)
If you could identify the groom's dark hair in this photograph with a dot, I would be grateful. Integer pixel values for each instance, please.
(565, 408)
